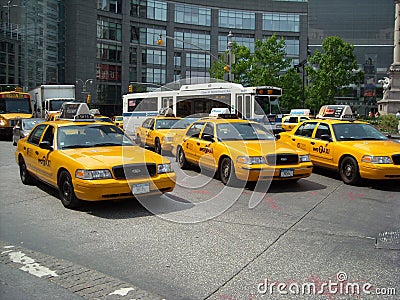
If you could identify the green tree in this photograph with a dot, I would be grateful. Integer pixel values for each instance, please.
(329, 70)
(268, 65)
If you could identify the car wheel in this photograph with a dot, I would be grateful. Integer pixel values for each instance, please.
(183, 164)
(227, 172)
(349, 171)
(66, 189)
(157, 146)
(26, 177)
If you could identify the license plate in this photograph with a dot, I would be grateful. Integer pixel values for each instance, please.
(141, 188)
(287, 172)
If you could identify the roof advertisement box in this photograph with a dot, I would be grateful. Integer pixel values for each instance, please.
(335, 112)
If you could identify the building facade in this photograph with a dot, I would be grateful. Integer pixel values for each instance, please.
(369, 26)
(102, 46)
(117, 42)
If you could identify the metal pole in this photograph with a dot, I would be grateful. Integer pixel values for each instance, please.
(230, 44)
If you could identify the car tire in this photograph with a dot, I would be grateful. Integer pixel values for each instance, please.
(66, 189)
(26, 177)
(157, 146)
(181, 158)
(349, 171)
(227, 172)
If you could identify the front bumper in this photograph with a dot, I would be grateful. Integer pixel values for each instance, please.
(112, 189)
(267, 172)
(379, 171)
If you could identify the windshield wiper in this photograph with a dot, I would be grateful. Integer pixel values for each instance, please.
(106, 144)
(76, 146)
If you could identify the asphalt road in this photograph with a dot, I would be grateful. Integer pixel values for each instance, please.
(207, 242)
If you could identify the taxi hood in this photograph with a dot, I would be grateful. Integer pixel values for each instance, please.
(260, 148)
(374, 147)
(107, 157)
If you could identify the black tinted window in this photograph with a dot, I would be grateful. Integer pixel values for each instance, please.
(34, 137)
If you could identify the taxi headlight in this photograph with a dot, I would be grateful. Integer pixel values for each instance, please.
(304, 158)
(93, 174)
(377, 159)
(250, 160)
(2, 122)
(164, 168)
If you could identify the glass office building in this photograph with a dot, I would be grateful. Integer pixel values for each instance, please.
(116, 42)
(104, 45)
(369, 26)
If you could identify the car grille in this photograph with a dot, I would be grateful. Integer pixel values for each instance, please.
(396, 159)
(134, 171)
(282, 159)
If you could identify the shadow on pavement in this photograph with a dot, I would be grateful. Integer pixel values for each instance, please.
(119, 209)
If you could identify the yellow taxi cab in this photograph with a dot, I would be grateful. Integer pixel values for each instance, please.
(355, 149)
(53, 116)
(243, 150)
(88, 160)
(154, 133)
(290, 121)
(119, 121)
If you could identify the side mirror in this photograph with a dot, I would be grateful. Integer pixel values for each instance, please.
(208, 138)
(326, 137)
(46, 145)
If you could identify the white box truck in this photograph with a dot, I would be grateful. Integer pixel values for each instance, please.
(48, 98)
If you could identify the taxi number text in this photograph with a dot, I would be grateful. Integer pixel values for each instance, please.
(286, 173)
(142, 188)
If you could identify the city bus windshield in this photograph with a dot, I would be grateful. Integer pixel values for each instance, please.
(266, 106)
(12, 105)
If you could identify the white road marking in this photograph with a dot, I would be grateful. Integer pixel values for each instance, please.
(29, 264)
(122, 292)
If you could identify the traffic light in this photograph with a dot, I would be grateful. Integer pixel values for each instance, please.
(88, 98)
(227, 68)
(130, 88)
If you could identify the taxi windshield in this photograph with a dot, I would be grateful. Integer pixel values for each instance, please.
(243, 131)
(352, 131)
(184, 123)
(93, 135)
(166, 123)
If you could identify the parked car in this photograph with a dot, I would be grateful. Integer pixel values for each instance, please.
(238, 149)
(355, 149)
(88, 160)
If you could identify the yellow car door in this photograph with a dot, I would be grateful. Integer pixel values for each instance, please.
(205, 147)
(322, 145)
(302, 137)
(191, 142)
(45, 153)
(150, 133)
(31, 148)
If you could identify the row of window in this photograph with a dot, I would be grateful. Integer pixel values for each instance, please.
(198, 15)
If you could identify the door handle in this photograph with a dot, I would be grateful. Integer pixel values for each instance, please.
(312, 143)
(198, 144)
(293, 139)
(36, 152)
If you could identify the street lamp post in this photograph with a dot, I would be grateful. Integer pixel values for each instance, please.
(230, 56)
(84, 83)
(303, 73)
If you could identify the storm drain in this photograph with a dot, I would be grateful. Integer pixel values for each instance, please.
(388, 240)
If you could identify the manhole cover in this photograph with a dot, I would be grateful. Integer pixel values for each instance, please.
(388, 240)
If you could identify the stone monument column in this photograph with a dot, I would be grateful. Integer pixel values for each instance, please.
(390, 104)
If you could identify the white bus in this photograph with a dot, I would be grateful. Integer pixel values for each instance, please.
(253, 103)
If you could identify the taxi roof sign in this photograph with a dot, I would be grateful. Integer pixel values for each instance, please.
(75, 111)
(336, 112)
(215, 112)
(300, 112)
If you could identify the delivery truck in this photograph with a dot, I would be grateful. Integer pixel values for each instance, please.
(48, 99)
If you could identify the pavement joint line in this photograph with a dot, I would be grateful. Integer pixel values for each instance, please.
(273, 243)
(78, 279)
